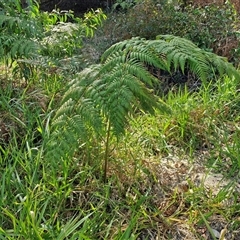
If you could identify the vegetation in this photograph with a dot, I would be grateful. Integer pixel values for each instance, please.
(211, 27)
(101, 151)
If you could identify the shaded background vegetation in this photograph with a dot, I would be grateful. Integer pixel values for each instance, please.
(83, 5)
(74, 5)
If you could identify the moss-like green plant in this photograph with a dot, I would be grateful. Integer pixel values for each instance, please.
(103, 97)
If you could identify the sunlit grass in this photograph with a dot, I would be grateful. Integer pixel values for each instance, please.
(67, 199)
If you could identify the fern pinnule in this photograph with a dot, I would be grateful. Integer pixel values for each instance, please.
(123, 46)
(137, 69)
(136, 48)
(146, 54)
(77, 88)
(65, 109)
(69, 122)
(65, 138)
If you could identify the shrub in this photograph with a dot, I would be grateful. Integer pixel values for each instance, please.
(18, 27)
(29, 36)
(211, 27)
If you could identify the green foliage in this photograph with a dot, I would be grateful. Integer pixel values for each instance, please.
(27, 192)
(182, 53)
(50, 187)
(29, 36)
(212, 27)
(66, 38)
(103, 97)
(124, 4)
(18, 28)
(45, 198)
(218, 24)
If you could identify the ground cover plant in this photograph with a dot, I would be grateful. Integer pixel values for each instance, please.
(89, 152)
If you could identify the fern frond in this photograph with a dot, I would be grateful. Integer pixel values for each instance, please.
(16, 47)
(112, 90)
(184, 53)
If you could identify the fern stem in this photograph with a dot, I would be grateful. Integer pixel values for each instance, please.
(106, 155)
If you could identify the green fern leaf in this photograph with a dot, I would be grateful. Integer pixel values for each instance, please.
(121, 83)
(202, 63)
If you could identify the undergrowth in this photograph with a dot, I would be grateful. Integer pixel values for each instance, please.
(158, 180)
(47, 199)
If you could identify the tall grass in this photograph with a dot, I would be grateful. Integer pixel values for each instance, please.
(66, 199)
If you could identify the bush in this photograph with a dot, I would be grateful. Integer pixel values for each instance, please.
(32, 39)
(212, 27)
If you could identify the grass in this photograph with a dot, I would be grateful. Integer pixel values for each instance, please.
(153, 190)
(164, 176)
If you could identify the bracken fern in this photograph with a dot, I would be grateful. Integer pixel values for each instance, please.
(103, 97)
